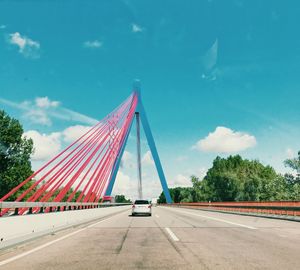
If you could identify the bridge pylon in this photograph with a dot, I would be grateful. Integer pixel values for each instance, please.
(140, 115)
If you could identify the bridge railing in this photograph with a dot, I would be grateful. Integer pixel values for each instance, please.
(41, 207)
(282, 208)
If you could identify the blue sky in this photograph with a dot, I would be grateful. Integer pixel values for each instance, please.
(225, 68)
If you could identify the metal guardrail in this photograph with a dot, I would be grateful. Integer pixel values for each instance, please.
(53, 206)
(286, 208)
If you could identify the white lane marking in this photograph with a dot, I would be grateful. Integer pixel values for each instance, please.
(173, 236)
(38, 248)
(50, 243)
(157, 216)
(217, 219)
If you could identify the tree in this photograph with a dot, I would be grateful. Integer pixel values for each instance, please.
(121, 199)
(162, 197)
(238, 179)
(293, 163)
(293, 181)
(179, 194)
(15, 151)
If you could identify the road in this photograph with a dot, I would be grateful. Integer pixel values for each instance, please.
(171, 239)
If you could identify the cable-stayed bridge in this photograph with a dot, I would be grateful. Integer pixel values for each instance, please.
(59, 222)
(86, 170)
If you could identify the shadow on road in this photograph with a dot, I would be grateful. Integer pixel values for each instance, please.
(138, 216)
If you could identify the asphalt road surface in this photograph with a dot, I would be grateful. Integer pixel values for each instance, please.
(171, 239)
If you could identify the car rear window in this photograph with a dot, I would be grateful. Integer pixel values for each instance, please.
(141, 202)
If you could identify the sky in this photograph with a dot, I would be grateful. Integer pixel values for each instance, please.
(218, 78)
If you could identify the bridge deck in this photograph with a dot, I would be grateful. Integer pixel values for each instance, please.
(170, 239)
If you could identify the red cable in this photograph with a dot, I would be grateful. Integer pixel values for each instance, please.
(104, 167)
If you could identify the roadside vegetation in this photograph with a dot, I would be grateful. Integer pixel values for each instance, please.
(15, 151)
(121, 199)
(237, 179)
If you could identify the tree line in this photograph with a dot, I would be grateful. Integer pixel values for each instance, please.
(237, 179)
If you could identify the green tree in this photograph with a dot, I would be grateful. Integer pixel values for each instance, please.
(293, 163)
(238, 179)
(15, 151)
(293, 181)
(179, 194)
(121, 199)
(162, 198)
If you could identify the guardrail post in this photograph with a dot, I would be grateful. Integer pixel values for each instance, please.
(42, 209)
(16, 212)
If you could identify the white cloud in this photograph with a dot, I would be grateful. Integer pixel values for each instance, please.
(127, 156)
(93, 44)
(42, 110)
(45, 102)
(37, 116)
(147, 159)
(73, 133)
(290, 153)
(2, 26)
(46, 146)
(136, 28)
(201, 173)
(180, 180)
(125, 185)
(151, 188)
(27, 46)
(127, 160)
(37, 112)
(225, 140)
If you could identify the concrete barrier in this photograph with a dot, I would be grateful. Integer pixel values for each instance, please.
(16, 229)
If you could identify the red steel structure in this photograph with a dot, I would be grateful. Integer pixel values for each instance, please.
(85, 166)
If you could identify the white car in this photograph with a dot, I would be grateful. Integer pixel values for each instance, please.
(142, 207)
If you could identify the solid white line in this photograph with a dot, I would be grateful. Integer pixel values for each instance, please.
(50, 243)
(218, 219)
(173, 236)
(38, 248)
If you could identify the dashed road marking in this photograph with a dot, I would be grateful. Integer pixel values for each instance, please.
(172, 235)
